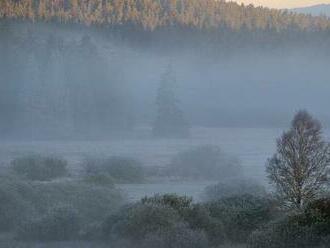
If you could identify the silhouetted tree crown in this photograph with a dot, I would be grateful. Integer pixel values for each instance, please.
(298, 169)
(170, 121)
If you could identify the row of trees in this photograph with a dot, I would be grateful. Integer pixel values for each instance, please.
(51, 86)
(152, 14)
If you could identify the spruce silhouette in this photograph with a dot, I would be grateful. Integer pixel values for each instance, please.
(170, 121)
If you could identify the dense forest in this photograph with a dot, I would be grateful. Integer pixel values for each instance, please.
(152, 14)
(72, 68)
(50, 86)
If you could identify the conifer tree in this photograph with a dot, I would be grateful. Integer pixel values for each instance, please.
(170, 121)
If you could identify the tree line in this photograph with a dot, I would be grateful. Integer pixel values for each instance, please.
(53, 86)
(56, 87)
(154, 14)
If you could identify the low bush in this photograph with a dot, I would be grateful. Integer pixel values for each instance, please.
(160, 219)
(99, 179)
(121, 169)
(204, 162)
(92, 202)
(139, 220)
(24, 201)
(281, 234)
(14, 207)
(92, 232)
(199, 218)
(311, 228)
(58, 224)
(196, 216)
(241, 215)
(230, 188)
(180, 236)
(325, 241)
(179, 203)
(34, 167)
(317, 215)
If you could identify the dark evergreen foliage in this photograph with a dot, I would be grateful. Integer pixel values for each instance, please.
(170, 121)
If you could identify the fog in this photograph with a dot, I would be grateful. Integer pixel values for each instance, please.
(137, 139)
(60, 83)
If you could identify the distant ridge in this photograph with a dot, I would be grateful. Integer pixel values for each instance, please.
(315, 10)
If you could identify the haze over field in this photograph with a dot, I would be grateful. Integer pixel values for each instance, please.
(163, 123)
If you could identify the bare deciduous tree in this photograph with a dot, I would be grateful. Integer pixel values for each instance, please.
(298, 169)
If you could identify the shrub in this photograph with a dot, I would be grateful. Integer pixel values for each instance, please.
(92, 202)
(241, 215)
(135, 222)
(22, 201)
(310, 228)
(317, 214)
(204, 162)
(230, 188)
(198, 217)
(58, 224)
(180, 236)
(60, 203)
(99, 179)
(325, 241)
(14, 207)
(281, 234)
(121, 169)
(92, 232)
(160, 218)
(179, 203)
(34, 167)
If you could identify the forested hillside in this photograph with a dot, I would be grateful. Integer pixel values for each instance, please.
(72, 68)
(58, 86)
(153, 14)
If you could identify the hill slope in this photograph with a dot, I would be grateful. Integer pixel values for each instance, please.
(153, 14)
(316, 10)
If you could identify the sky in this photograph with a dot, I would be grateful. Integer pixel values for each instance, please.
(284, 3)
